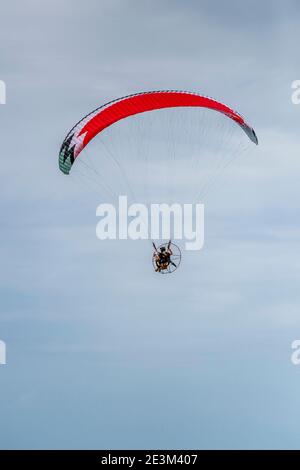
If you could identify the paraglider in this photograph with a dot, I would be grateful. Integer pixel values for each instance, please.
(188, 136)
(166, 258)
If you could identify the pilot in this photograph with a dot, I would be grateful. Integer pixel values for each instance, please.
(162, 258)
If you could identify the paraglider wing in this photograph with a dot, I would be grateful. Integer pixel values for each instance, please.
(101, 118)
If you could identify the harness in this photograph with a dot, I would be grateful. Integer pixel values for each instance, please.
(164, 259)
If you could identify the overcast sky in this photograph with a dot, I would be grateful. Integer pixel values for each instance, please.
(101, 352)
